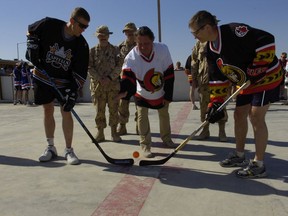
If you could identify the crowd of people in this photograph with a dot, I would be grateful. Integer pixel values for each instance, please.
(23, 83)
(223, 57)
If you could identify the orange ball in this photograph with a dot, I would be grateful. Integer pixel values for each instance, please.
(136, 154)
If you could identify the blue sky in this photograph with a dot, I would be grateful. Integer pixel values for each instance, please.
(264, 14)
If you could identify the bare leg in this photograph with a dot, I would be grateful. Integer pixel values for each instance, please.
(67, 126)
(241, 126)
(49, 121)
(257, 118)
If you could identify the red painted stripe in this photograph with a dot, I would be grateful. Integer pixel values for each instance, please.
(127, 198)
(130, 194)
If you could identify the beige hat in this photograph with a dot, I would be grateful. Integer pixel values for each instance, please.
(129, 27)
(103, 30)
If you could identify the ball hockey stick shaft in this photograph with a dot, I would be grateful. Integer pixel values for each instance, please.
(122, 162)
(181, 145)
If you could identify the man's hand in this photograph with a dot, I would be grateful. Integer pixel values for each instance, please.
(120, 96)
(70, 102)
(212, 114)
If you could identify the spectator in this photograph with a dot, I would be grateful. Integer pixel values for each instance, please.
(178, 66)
(125, 47)
(283, 63)
(104, 83)
(17, 84)
(193, 85)
(200, 70)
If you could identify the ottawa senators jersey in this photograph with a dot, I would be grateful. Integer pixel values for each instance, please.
(238, 47)
(150, 79)
(61, 56)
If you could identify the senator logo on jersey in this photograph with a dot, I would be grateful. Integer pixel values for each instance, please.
(234, 74)
(153, 81)
(58, 57)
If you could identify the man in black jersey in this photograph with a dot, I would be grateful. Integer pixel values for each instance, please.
(60, 54)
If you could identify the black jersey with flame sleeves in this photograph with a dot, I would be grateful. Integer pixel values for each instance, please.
(239, 47)
(61, 56)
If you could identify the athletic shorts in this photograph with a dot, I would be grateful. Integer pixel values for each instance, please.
(259, 99)
(44, 94)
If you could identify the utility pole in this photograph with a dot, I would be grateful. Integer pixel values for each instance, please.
(159, 20)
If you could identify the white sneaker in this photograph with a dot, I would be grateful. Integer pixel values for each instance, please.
(70, 156)
(49, 153)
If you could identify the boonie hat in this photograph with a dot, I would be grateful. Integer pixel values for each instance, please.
(129, 27)
(103, 30)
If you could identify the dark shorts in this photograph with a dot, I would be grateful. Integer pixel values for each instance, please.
(259, 99)
(44, 94)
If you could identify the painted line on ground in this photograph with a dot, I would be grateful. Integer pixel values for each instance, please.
(129, 195)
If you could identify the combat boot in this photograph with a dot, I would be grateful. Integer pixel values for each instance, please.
(146, 151)
(205, 133)
(100, 135)
(121, 130)
(114, 135)
(222, 134)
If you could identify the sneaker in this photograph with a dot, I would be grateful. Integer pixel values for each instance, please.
(169, 144)
(70, 156)
(233, 160)
(252, 171)
(49, 153)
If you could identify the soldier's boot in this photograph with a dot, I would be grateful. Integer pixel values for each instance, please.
(222, 134)
(114, 135)
(100, 137)
(146, 151)
(121, 130)
(205, 133)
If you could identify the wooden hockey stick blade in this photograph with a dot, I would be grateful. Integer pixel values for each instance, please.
(180, 146)
(122, 162)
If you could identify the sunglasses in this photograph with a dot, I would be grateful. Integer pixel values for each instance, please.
(81, 25)
(197, 31)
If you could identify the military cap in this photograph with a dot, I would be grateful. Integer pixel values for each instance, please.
(129, 27)
(103, 30)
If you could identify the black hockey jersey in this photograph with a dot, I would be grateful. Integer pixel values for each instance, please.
(61, 57)
(238, 47)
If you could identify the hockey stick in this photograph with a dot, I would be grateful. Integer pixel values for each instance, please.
(181, 145)
(123, 162)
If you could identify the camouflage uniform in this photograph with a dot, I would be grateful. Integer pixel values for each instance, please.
(105, 63)
(124, 49)
(124, 104)
(200, 74)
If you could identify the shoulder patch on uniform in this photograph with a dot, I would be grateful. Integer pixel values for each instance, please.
(241, 31)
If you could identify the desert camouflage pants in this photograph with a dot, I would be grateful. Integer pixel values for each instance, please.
(124, 112)
(101, 99)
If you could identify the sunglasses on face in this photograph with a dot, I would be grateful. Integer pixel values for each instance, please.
(81, 25)
(198, 30)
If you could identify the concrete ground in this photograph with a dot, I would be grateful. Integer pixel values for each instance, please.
(191, 183)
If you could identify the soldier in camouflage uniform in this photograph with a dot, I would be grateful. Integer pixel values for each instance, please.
(124, 49)
(200, 78)
(104, 74)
